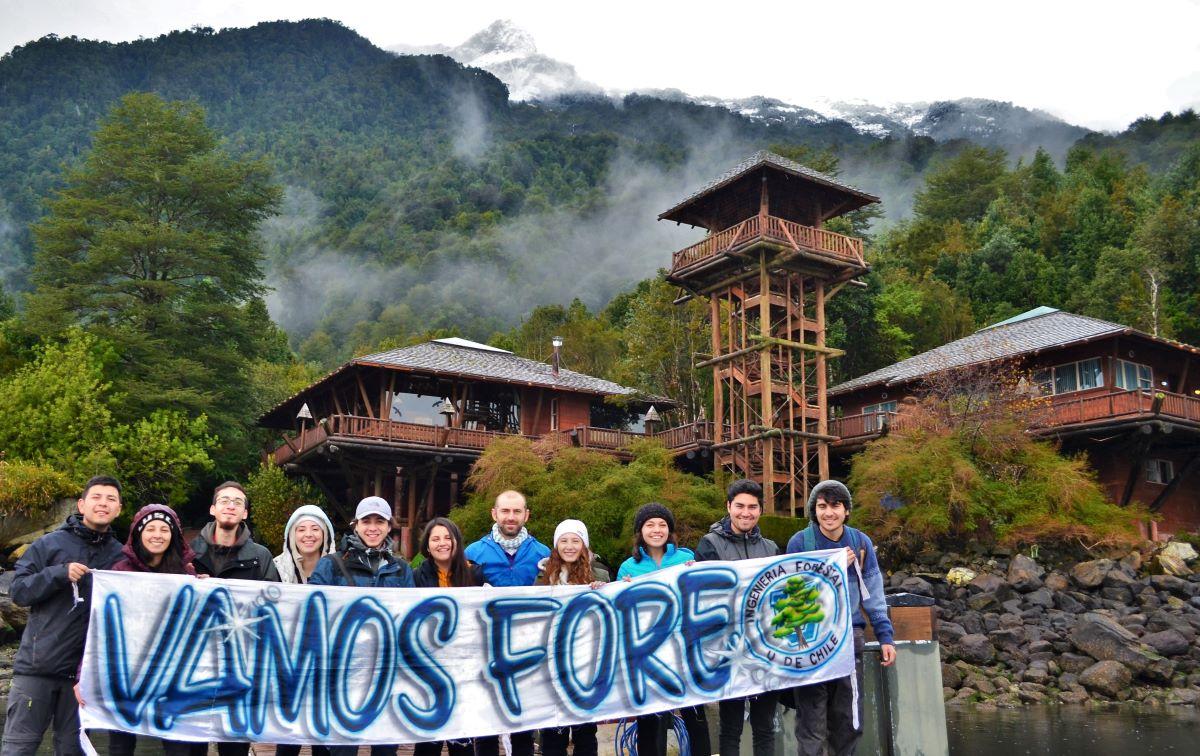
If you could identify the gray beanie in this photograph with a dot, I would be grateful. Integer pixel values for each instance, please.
(829, 490)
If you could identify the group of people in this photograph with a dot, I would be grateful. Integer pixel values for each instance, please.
(52, 579)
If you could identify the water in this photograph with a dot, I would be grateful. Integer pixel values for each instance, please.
(1071, 730)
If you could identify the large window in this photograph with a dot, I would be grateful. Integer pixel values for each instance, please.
(1073, 376)
(1159, 471)
(554, 414)
(876, 415)
(1131, 375)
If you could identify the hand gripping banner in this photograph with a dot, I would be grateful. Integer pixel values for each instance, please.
(232, 660)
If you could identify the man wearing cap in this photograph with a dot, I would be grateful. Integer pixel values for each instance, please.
(224, 548)
(508, 555)
(365, 559)
(737, 536)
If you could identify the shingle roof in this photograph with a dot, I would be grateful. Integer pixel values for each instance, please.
(481, 361)
(1033, 331)
(766, 157)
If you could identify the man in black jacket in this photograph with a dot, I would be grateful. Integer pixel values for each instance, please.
(52, 580)
(223, 548)
(735, 537)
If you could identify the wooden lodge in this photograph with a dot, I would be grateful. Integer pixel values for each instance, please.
(407, 424)
(1129, 400)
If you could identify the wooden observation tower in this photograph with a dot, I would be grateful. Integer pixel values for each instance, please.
(767, 269)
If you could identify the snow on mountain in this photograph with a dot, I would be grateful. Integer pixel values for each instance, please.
(510, 53)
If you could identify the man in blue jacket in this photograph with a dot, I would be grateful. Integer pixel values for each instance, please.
(825, 711)
(52, 580)
(508, 555)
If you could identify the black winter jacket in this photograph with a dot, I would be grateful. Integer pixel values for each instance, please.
(52, 644)
(250, 561)
(425, 574)
(720, 542)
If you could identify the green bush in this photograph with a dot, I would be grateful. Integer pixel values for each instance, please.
(781, 529)
(31, 489)
(563, 482)
(273, 497)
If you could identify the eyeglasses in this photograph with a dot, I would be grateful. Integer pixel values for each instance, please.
(225, 501)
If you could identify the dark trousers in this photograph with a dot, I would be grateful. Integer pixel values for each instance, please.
(223, 749)
(34, 704)
(123, 743)
(351, 750)
(762, 724)
(453, 748)
(291, 749)
(555, 740)
(824, 714)
(522, 744)
(652, 731)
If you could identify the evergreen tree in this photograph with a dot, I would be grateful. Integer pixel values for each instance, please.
(152, 246)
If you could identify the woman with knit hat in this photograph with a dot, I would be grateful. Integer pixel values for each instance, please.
(307, 537)
(571, 562)
(655, 549)
(155, 544)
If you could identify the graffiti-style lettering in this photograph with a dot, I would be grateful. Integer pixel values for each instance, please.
(698, 626)
(585, 696)
(290, 674)
(347, 660)
(641, 665)
(506, 664)
(421, 664)
(128, 700)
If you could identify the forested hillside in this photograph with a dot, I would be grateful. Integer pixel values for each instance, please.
(406, 196)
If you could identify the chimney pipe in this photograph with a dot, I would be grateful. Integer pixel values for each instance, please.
(557, 341)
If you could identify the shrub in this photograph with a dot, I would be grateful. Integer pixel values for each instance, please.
(563, 482)
(273, 497)
(31, 489)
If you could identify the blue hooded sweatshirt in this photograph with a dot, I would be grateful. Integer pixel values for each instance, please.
(501, 569)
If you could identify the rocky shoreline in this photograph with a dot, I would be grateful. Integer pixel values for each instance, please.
(1013, 632)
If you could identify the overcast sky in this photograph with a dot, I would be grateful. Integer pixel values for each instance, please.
(1099, 64)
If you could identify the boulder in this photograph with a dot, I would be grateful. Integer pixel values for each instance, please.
(1024, 574)
(1007, 638)
(1074, 697)
(949, 632)
(1105, 640)
(1165, 620)
(951, 677)
(1168, 564)
(917, 585)
(1091, 574)
(975, 648)
(1172, 584)
(1181, 550)
(1068, 603)
(1133, 560)
(1041, 597)
(1167, 642)
(1056, 581)
(986, 582)
(959, 576)
(982, 602)
(1037, 672)
(1106, 677)
(16, 617)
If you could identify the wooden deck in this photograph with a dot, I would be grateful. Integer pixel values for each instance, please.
(409, 435)
(1059, 414)
(787, 233)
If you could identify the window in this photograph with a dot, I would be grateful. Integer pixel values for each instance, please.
(1074, 376)
(554, 414)
(1160, 471)
(1131, 375)
(875, 415)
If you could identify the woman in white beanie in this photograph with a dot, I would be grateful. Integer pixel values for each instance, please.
(571, 562)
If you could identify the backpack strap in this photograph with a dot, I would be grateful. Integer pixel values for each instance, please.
(341, 565)
(808, 540)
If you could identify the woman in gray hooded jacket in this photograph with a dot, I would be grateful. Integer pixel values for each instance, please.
(307, 537)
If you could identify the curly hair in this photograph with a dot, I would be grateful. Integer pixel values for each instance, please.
(578, 573)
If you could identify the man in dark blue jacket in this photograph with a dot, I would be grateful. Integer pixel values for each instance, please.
(52, 580)
(508, 555)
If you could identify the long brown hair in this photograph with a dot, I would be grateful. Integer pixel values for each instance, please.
(460, 571)
(579, 573)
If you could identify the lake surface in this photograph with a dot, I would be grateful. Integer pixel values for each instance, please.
(1071, 730)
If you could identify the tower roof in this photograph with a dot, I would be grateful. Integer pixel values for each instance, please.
(838, 197)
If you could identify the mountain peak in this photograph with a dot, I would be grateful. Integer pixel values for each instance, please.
(502, 39)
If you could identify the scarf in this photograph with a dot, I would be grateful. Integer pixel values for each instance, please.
(510, 545)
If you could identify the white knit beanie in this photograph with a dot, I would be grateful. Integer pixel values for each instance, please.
(572, 526)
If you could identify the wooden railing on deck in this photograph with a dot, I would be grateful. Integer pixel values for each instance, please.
(685, 435)
(786, 232)
(855, 426)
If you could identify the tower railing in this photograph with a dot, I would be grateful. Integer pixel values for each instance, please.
(755, 228)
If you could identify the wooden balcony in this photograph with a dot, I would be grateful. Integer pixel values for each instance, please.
(413, 435)
(787, 233)
(1058, 414)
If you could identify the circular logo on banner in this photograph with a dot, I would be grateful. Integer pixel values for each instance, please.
(791, 617)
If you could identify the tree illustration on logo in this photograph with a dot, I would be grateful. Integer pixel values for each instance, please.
(796, 610)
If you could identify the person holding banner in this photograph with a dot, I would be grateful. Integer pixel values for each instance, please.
(365, 560)
(655, 548)
(155, 544)
(825, 712)
(737, 536)
(508, 556)
(571, 562)
(52, 580)
(445, 566)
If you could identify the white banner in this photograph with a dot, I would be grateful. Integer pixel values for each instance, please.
(234, 660)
